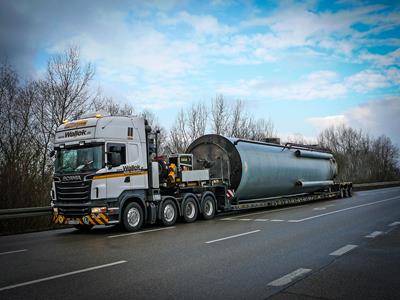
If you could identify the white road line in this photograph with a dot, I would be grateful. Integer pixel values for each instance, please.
(61, 275)
(277, 220)
(343, 250)
(228, 219)
(330, 205)
(270, 211)
(394, 224)
(374, 234)
(319, 208)
(232, 236)
(243, 219)
(289, 277)
(344, 209)
(261, 220)
(15, 251)
(139, 232)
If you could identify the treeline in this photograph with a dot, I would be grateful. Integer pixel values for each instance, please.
(362, 158)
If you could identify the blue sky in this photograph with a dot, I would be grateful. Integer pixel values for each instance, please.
(304, 64)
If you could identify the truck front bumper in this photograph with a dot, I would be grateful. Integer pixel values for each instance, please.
(91, 219)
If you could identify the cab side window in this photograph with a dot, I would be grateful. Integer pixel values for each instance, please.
(116, 154)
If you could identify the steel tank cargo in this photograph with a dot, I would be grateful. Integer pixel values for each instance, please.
(262, 170)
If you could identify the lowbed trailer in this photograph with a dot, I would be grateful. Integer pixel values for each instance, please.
(107, 171)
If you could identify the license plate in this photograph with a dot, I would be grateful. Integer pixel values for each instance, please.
(73, 221)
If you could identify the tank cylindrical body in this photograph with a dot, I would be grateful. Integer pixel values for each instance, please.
(262, 170)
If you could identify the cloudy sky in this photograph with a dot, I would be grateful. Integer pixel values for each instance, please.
(306, 65)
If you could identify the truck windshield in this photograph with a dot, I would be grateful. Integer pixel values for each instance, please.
(82, 159)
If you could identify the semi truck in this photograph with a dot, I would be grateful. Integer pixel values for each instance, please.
(107, 171)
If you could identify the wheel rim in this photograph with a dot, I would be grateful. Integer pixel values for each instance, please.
(208, 207)
(169, 212)
(133, 217)
(190, 210)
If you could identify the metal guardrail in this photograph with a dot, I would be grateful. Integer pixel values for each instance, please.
(375, 185)
(24, 212)
(46, 210)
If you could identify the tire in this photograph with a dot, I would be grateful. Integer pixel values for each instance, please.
(190, 210)
(350, 191)
(341, 193)
(132, 217)
(208, 207)
(83, 227)
(169, 212)
(345, 193)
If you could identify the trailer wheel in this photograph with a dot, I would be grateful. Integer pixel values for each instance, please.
(190, 210)
(132, 217)
(341, 193)
(83, 227)
(350, 191)
(169, 213)
(208, 208)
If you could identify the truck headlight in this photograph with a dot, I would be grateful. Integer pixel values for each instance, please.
(99, 209)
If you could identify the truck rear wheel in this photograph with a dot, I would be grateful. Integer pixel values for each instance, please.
(208, 208)
(169, 213)
(350, 191)
(132, 217)
(190, 210)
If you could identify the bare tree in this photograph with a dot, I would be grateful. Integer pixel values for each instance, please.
(220, 115)
(188, 126)
(63, 94)
(360, 157)
(111, 107)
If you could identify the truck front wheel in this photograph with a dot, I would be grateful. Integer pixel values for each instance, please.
(132, 217)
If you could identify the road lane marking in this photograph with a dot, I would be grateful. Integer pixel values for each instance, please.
(271, 211)
(14, 251)
(374, 234)
(277, 220)
(343, 250)
(394, 224)
(139, 232)
(319, 208)
(60, 275)
(261, 220)
(284, 280)
(243, 219)
(344, 209)
(232, 236)
(228, 219)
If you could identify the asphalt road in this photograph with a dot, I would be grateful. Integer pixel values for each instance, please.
(337, 249)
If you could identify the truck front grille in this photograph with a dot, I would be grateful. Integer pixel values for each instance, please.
(73, 198)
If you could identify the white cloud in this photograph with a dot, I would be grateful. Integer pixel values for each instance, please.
(375, 117)
(201, 24)
(391, 58)
(366, 81)
(316, 85)
(156, 97)
(328, 121)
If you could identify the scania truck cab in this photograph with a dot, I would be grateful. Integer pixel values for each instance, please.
(105, 174)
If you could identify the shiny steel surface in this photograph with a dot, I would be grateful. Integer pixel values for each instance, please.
(256, 170)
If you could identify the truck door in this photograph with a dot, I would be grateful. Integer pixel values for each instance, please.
(117, 182)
